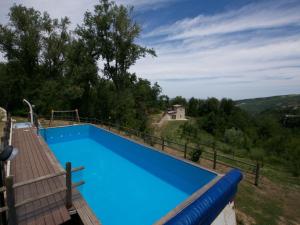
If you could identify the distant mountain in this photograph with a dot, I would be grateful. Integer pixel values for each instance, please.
(257, 105)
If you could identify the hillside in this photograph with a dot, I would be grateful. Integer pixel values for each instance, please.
(257, 105)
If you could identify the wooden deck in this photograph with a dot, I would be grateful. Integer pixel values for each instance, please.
(35, 160)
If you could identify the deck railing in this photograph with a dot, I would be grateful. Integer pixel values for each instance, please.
(11, 205)
(8, 205)
(209, 152)
(4, 142)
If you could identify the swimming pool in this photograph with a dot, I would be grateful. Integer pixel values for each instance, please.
(125, 182)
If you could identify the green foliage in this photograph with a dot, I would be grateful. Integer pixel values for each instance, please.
(164, 102)
(114, 41)
(264, 137)
(195, 154)
(293, 156)
(258, 155)
(188, 131)
(234, 137)
(178, 100)
(258, 105)
(56, 68)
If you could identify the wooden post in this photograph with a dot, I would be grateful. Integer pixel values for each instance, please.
(2, 199)
(215, 160)
(10, 201)
(77, 115)
(256, 174)
(185, 150)
(68, 185)
(163, 144)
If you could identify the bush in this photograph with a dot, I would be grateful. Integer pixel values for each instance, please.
(195, 154)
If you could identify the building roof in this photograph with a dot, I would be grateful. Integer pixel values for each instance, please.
(171, 112)
(176, 106)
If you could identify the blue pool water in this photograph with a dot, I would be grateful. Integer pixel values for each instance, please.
(125, 183)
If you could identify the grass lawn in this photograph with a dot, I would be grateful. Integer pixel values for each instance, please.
(275, 201)
(170, 130)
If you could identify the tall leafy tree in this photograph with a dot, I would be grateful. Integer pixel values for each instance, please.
(110, 34)
(20, 41)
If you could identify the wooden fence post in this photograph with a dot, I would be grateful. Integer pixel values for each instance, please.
(68, 185)
(215, 160)
(256, 174)
(163, 144)
(10, 200)
(185, 150)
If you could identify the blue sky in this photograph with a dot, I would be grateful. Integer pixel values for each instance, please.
(221, 48)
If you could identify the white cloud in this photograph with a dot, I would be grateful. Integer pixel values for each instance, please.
(245, 49)
(254, 16)
(74, 9)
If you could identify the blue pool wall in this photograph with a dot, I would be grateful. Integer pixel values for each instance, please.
(170, 169)
(201, 211)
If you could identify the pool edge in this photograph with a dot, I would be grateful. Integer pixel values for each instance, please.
(197, 194)
(186, 203)
(144, 145)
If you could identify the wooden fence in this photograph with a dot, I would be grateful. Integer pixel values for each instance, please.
(214, 155)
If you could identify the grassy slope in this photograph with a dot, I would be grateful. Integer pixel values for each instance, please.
(257, 105)
(271, 203)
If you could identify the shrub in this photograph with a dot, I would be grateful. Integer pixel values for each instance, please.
(195, 154)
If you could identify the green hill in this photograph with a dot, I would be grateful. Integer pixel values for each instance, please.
(257, 105)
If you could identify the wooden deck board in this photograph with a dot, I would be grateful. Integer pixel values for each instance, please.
(86, 215)
(84, 211)
(32, 162)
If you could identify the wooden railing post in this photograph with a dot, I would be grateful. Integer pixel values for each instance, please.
(256, 174)
(215, 160)
(163, 144)
(10, 201)
(185, 149)
(68, 185)
(2, 199)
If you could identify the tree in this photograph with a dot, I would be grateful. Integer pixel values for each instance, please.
(193, 107)
(110, 34)
(20, 41)
(35, 47)
(179, 100)
(188, 131)
(164, 102)
(227, 106)
(234, 137)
